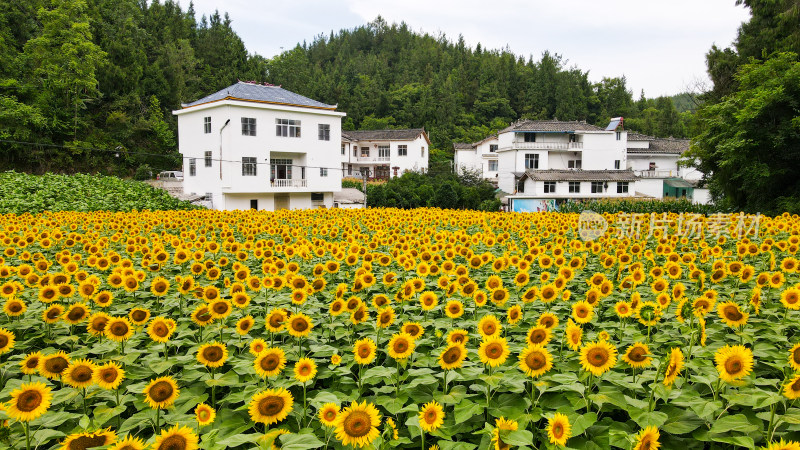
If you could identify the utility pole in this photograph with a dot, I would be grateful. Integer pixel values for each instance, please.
(365, 174)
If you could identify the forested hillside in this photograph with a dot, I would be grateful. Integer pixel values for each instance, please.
(92, 82)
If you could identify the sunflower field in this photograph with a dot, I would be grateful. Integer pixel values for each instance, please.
(391, 328)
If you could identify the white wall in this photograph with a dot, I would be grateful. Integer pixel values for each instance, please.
(663, 162)
(701, 196)
(230, 146)
(416, 159)
(653, 187)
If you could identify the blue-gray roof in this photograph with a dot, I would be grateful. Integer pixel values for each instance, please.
(260, 93)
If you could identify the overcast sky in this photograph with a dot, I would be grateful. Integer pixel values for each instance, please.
(658, 45)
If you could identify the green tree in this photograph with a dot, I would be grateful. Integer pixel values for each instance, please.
(750, 143)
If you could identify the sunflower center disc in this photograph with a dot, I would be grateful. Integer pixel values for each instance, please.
(28, 401)
(357, 424)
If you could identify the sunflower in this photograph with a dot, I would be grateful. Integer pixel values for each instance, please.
(328, 414)
(431, 416)
(257, 346)
(790, 298)
(636, 356)
(161, 392)
(77, 313)
(454, 309)
(385, 317)
(623, 309)
(794, 357)
(336, 359)
(84, 440)
(7, 339)
(202, 315)
(271, 406)
(118, 329)
(52, 366)
(305, 369)
(791, 390)
(458, 336)
(733, 362)
(129, 443)
(731, 314)
(489, 326)
(535, 360)
(648, 313)
(28, 402)
(220, 308)
(14, 307)
(79, 373)
(493, 351)
(401, 346)
(300, 325)
(647, 439)
(514, 314)
(538, 335)
(428, 300)
(582, 312)
(53, 313)
(176, 438)
(453, 356)
(30, 364)
(782, 445)
(160, 329)
(558, 429)
(244, 325)
(139, 316)
(391, 429)
(502, 424)
(674, 366)
(204, 414)
(337, 307)
(358, 424)
(212, 355)
(276, 320)
(270, 362)
(574, 335)
(109, 375)
(598, 357)
(547, 320)
(97, 323)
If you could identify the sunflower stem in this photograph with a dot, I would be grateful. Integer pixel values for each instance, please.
(119, 417)
(213, 389)
(158, 420)
(84, 402)
(27, 435)
(305, 403)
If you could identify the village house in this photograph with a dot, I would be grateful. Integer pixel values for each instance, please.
(384, 154)
(259, 146)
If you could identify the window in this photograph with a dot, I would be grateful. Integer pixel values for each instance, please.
(192, 167)
(573, 138)
(402, 150)
(349, 169)
(248, 126)
(574, 164)
(248, 166)
(383, 151)
(342, 149)
(287, 128)
(492, 166)
(521, 185)
(355, 151)
(531, 160)
(574, 187)
(254, 204)
(529, 137)
(280, 169)
(324, 132)
(597, 187)
(323, 171)
(622, 187)
(493, 148)
(652, 166)
(616, 164)
(208, 159)
(422, 152)
(365, 152)
(619, 135)
(317, 197)
(549, 187)
(207, 125)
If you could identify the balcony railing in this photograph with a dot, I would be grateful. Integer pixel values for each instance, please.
(656, 173)
(283, 183)
(372, 159)
(549, 145)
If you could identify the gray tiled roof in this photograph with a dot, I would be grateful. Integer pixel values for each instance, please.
(581, 175)
(664, 146)
(550, 125)
(260, 93)
(639, 137)
(462, 146)
(348, 195)
(408, 134)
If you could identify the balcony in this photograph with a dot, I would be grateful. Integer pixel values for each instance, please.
(570, 146)
(372, 159)
(289, 183)
(656, 173)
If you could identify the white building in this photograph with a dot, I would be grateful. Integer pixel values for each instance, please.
(384, 153)
(655, 162)
(253, 146)
(478, 157)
